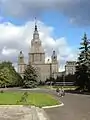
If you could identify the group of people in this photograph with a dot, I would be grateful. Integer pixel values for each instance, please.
(60, 92)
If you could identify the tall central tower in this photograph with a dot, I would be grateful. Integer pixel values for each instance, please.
(36, 54)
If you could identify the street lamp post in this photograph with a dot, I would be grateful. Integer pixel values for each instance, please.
(50, 70)
(63, 80)
(50, 74)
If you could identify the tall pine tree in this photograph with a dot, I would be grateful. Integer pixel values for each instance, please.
(30, 77)
(83, 65)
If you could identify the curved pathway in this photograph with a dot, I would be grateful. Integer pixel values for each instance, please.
(76, 107)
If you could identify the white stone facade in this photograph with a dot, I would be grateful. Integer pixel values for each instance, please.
(70, 67)
(36, 57)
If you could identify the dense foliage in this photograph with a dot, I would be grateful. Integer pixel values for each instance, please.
(61, 79)
(83, 65)
(8, 76)
(66, 78)
(30, 77)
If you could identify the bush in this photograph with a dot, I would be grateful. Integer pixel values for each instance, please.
(1, 91)
(41, 83)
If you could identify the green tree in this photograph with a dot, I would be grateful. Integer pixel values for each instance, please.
(4, 77)
(8, 75)
(83, 65)
(30, 77)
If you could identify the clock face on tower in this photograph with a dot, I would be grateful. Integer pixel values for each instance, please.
(36, 36)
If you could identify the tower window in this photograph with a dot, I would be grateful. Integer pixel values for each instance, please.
(33, 58)
(40, 57)
(21, 60)
(54, 57)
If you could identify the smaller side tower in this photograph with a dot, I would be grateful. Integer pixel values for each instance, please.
(21, 64)
(54, 62)
(54, 57)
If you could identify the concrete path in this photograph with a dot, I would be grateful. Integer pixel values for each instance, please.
(22, 113)
(76, 107)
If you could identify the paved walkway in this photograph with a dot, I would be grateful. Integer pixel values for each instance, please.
(76, 107)
(22, 113)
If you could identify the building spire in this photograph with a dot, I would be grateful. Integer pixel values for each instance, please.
(35, 24)
(35, 34)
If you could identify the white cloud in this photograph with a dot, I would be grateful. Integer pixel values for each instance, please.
(15, 38)
(8, 52)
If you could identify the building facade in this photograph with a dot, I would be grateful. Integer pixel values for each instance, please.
(59, 74)
(36, 57)
(70, 67)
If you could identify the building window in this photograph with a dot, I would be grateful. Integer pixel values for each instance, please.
(21, 60)
(36, 57)
(40, 57)
(33, 58)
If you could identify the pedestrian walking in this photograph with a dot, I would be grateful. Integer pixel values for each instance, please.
(58, 91)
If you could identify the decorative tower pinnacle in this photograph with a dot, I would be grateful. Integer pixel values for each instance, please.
(21, 58)
(35, 34)
(35, 24)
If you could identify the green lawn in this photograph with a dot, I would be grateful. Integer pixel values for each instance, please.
(37, 99)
